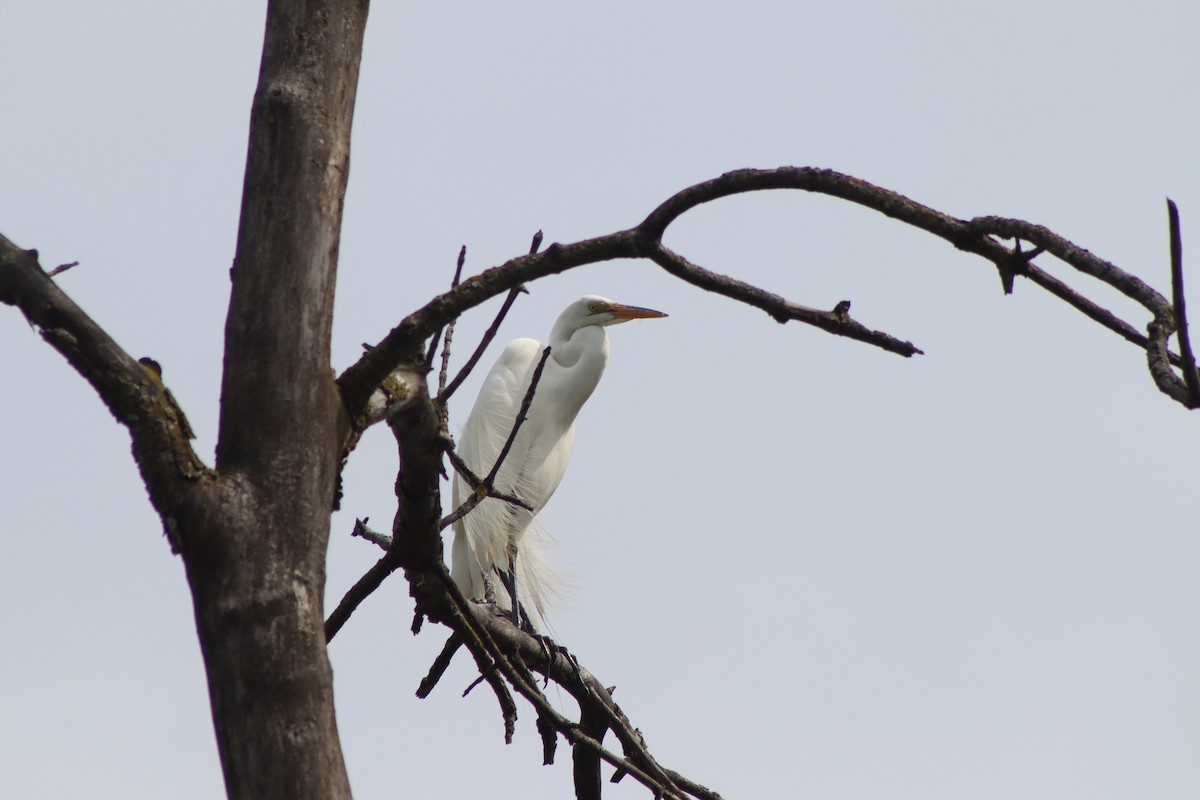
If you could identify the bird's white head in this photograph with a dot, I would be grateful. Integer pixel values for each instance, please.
(596, 310)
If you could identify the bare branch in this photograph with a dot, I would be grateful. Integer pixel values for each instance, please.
(484, 488)
(61, 268)
(360, 591)
(526, 402)
(417, 431)
(645, 241)
(490, 663)
(494, 640)
(1180, 306)
(500, 648)
(1091, 310)
(549, 734)
(439, 666)
(444, 392)
(462, 259)
(416, 427)
(475, 481)
(585, 761)
(132, 391)
(433, 342)
(363, 531)
(691, 787)
(837, 322)
(1071, 253)
(508, 708)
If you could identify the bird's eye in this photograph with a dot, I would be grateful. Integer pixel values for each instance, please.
(593, 307)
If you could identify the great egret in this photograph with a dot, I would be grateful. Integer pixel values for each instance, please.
(490, 545)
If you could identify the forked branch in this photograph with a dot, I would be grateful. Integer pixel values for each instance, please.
(645, 241)
(499, 648)
(444, 391)
(485, 487)
(394, 558)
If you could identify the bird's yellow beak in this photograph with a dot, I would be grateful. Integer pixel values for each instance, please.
(633, 312)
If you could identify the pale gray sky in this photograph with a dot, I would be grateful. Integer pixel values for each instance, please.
(811, 569)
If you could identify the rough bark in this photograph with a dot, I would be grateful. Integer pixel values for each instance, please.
(254, 542)
(253, 532)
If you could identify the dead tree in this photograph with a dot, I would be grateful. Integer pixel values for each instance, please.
(253, 529)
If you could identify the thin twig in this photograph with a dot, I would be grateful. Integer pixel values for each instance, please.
(586, 689)
(508, 708)
(462, 259)
(477, 636)
(374, 537)
(1180, 305)
(484, 489)
(359, 592)
(781, 310)
(482, 630)
(970, 236)
(487, 654)
(439, 666)
(645, 241)
(61, 268)
(445, 392)
(433, 345)
(475, 482)
(169, 465)
(526, 402)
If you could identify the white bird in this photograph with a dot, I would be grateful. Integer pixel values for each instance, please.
(492, 554)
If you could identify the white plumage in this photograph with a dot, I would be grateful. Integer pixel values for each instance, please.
(493, 544)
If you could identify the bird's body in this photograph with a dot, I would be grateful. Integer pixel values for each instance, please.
(492, 548)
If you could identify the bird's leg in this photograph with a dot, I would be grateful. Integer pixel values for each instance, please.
(527, 622)
(520, 617)
(517, 614)
(509, 578)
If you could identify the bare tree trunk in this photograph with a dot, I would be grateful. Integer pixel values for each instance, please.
(254, 541)
(253, 533)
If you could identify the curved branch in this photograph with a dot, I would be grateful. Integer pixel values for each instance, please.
(1070, 253)
(403, 346)
(500, 647)
(809, 179)
(645, 241)
(132, 391)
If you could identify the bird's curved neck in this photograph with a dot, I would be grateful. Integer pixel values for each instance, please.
(577, 360)
(568, 344)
